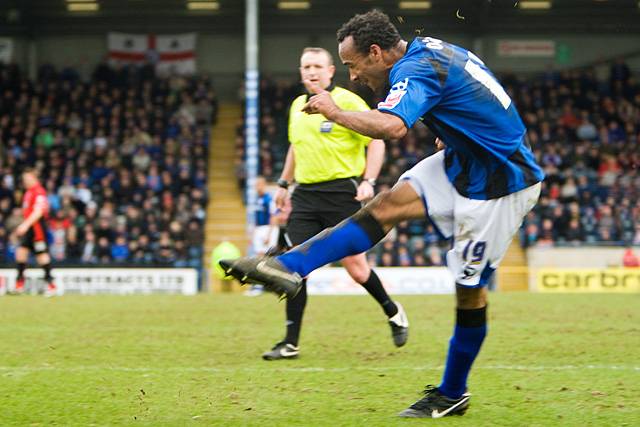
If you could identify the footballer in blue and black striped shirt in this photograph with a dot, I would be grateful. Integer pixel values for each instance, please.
(476, 191)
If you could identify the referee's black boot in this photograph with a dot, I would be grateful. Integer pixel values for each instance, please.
(266, 271)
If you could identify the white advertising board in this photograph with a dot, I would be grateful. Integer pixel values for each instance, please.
(396, 280)
(119, 281)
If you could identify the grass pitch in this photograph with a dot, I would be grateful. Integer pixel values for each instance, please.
(569, 360)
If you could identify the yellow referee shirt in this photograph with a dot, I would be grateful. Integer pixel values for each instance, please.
(324, 150)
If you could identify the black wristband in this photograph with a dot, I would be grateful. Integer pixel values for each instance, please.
(283, 183)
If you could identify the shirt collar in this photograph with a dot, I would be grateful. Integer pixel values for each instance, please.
(329, 88)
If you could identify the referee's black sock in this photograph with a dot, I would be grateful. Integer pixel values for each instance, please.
(373, 285)
(22, 266)
(295, 311)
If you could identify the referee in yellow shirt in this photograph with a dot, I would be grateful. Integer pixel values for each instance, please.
(333, 177)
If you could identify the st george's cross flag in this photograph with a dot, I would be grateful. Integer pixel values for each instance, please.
(171, 53)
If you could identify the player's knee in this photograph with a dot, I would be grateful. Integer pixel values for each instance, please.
(383, 209)
(21, 255)
(361, 275)
(357, 268)
(377, 204)
(471, 297)
(395, 205)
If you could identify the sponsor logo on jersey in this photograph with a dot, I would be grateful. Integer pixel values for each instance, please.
(395, 94)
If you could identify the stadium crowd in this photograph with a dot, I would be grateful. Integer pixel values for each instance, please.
(122, 155)
(585, 132)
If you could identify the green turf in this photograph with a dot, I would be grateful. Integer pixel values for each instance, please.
(569, 360)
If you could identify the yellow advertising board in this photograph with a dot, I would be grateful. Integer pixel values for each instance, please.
(588, 280)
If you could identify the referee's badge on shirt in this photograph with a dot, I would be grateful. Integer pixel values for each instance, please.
(326, 126)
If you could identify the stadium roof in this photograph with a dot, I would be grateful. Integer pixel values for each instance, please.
(52, 17)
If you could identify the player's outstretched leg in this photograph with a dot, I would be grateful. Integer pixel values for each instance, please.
(283, 274)
(451, 396)
(354, 235)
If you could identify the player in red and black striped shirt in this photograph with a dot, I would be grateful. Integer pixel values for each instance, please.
(32, 231)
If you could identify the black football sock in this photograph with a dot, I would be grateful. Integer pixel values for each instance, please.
(377, 291)
(295, 311)
(47, 272)
(22, 266)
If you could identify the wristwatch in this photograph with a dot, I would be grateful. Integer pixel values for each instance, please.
(283, 183)
(371, 181)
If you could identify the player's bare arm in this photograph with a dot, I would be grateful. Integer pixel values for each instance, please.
(371, 123)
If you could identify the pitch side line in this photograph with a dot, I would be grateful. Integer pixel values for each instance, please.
(26, 369)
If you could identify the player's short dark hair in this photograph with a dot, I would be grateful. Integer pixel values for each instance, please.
(369, 28)
(318, 50)
(32, 170)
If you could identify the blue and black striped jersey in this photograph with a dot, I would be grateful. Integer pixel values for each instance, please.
(450, 89)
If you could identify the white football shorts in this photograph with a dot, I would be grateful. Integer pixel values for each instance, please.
(481, 230)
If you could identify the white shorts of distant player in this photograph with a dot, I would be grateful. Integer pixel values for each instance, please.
(264, 237)
(482, 230)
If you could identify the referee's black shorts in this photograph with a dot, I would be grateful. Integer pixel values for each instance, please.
(315, 207)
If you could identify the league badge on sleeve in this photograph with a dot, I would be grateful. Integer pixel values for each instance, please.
(394, 96)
